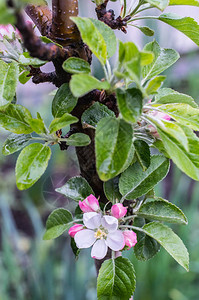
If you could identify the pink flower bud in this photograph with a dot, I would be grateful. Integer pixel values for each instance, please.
(90, 204)
(74, 229)
(118, 210)
(130, 238)
(160, 116)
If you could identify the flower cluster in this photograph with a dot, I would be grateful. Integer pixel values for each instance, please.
(101, 231)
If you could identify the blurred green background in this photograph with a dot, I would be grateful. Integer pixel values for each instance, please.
(33, 269)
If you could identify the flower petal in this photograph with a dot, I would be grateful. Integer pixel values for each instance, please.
(110, 223)
(115, 240)
(92, 220)
(85, 238)
(99, 249)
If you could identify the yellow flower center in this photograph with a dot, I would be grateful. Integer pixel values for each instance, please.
(100, 234)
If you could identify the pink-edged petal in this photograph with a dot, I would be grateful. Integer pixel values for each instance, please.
(110, 223)
(85, 238)
(99, 249)
(115, 240)
(92, 220)
(92, 202)
(84, 207)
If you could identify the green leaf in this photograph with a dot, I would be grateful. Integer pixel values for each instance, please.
(186, 25)
(146, 30)
(74, 248)
(116, 280)
(147, 58)
(111, 190)
(49, 41)
(182, 113)
(184, 2)
(23, 77)
(108, 35)
(31, 164)
(78, 140)
(62, 122)
(163, 59)
(170, 241)
(58, 222)
(171, 129)
(154, 84)
(134, 182)
(127, 52)
(142, 151)
(76, 65)
(38, 126)
(63, 102)
(130, 103)
(15, 118)
(167, 95)
(15, 142)
(7, 15)
(162, 211)
(113, 146)
(188, 162)
(92, 37)
(9, 74)
(146, 247)
(76, 188)
(26, 60)
(161, 4)
(81, 84)
(95, 113)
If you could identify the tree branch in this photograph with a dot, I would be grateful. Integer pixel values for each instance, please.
(64, 31)
(108, 17)
(41, 16)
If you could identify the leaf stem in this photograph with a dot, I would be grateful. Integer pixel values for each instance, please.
(132, 227)
(143, 18)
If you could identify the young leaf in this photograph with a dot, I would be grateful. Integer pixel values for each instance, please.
(78, 140)
(92, 37)
(76, 250)
(147, 58)
(162, 211)
(15, 118)
(81, 84)
(38, 126)
(186, 25)
(116, 279)
(76, 188)
(166, 96)
(154, 84)
(113, 144)
(142, 151)
(111, 190)
(9, 74)
(127, 51)
(76, 65)
(62, 122)
(108, 35)
(146, 30)
(58, 222)
(182, 113)
(130, 103)
(95, 113)
(31, 164)
(188, 162)
(146, 247)
(171, 129)
(26, 60)
(15, 142)
(23, 77)
(184, 2)
(170, 241)
(134, 182)
(163, 59)
(161, 4)
(63, 102)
